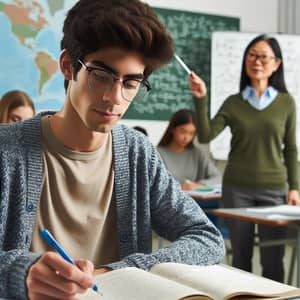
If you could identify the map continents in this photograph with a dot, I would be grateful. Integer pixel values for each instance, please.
(30, 34)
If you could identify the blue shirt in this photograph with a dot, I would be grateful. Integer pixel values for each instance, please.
(265, 100)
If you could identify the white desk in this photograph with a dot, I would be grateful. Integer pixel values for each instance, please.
(262, 218)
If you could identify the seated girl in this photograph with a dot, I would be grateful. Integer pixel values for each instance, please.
(189, 164)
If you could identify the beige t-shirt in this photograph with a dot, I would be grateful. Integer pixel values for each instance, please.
(77, 204)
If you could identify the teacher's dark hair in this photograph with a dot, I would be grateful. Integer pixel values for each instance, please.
(277, 78)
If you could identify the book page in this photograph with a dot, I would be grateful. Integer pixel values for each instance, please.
(223, 282)
(136, 284)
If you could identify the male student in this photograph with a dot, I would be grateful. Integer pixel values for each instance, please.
(98, 187)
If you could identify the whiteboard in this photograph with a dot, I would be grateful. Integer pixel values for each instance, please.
(226, 64)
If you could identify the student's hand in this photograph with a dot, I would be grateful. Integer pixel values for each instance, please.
(197, 86)
(52, 277)
(293, 197)
(101, 271)
(190, 185)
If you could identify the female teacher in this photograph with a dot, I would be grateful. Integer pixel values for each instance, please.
(262, 163)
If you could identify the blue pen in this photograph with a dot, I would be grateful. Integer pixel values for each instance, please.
(48, 237)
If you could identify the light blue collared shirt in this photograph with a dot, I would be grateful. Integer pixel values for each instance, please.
(265, 100)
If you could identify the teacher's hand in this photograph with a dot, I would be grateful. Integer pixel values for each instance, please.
(197, 86)
(293, 197)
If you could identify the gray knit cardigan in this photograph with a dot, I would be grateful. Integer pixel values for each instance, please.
(146, 197)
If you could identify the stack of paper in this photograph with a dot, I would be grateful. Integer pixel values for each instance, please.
(286, 212)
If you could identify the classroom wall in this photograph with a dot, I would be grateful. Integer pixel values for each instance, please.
(289, 16)
(255, 16)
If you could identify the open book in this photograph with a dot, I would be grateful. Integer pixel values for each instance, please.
(171, 281)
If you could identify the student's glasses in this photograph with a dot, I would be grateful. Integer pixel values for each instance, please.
(263, 58)
(102, 81)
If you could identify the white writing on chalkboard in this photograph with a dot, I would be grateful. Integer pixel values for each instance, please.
(191, 33)
(227, 53)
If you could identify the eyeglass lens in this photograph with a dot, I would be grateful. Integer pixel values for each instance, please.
(263, 58)
(101, 81)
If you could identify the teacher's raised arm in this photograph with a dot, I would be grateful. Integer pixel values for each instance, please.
(197, 86)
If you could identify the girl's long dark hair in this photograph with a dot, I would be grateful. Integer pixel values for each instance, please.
(12, 100)
(181, 117)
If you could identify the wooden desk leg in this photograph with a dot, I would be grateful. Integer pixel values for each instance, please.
(298, 256)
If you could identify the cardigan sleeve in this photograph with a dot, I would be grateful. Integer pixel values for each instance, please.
(174, 216)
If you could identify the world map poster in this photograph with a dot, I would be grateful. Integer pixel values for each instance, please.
(30, 37)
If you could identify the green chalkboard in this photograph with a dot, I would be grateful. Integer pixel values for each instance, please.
(191, 33)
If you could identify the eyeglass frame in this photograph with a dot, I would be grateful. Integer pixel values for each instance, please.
(144, 82)
(259, 56)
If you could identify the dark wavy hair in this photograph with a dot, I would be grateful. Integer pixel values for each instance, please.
(277, 78)
(181, 117)
(131, 25)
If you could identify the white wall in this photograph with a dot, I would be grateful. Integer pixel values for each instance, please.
(255, 16)
(289, 16)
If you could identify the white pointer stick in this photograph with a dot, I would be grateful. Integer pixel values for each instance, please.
(181, 62)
